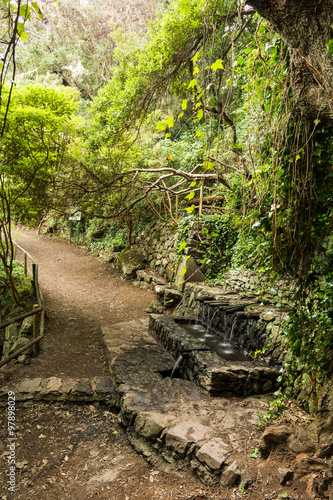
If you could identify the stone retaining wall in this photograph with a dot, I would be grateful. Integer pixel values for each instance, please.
(157, 244)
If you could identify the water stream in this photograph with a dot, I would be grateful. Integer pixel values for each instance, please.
(222, 348)
(177, 363)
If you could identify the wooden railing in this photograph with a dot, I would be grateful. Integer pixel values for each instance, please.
(30, 268)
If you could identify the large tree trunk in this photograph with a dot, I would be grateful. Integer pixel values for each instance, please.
(305, 25)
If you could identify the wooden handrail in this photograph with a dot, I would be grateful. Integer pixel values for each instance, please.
(38, 310)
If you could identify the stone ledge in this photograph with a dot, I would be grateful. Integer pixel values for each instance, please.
(65, 389)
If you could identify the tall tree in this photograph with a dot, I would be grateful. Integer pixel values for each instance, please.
(306, 27)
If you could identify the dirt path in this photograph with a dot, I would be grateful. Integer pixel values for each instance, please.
(79, 451)
(81, 293)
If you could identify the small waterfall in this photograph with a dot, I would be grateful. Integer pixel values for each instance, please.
(177, 363)
(233, 326)
(225, 323)
(209, 323)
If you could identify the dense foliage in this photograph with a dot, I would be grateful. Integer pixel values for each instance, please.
(199, 103)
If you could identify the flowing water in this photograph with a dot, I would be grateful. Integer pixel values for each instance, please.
(177, 363)
(221, 347)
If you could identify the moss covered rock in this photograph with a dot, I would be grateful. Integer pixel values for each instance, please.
(130, 261)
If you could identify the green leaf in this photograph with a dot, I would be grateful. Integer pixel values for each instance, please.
(261, 29)
(160, 126)
(198, 133)
(184, 104)
(182, 246)
(280, 173)
(199, 115)
(196, 70)
(21, 31)
(37, 10)
(240, 60)
(330, 46)
(217, 65)
(208, 165)
(24, 12)
(169, 121)
(195, 58)
(183, 271)
(190, 209)
(180, 115)
(167, 135)
(192, 83)
(194, 183)
(190, 195)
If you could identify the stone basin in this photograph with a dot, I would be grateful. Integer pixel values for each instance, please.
(199, 363)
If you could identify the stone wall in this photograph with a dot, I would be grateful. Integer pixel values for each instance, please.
(241, 280)
(157, 244)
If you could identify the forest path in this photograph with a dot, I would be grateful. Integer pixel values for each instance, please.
(81, 293)
(68, 450)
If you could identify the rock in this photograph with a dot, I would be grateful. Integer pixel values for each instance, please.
(11, 333)
(160, 289)
(285, 475)
(268, 316)
(188, 271)
(171, 297)
(303, 440)
(21, 342)
(151, 425)
(102, 385)
(30, 385)
(325, 450)
(230, 476)
(155, 307)
(214, 453)
(273, 436)
(307, 383)
(53, 387)
(130, 261)
(27, 326)
(144, 276)
(181, 435)
(82, 388)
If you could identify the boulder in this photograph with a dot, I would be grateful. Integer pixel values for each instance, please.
(27, 327)
(171, 297)
(273, 436)
(130, 261)
(188, 271)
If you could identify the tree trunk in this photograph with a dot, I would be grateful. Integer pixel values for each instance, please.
(305, 26)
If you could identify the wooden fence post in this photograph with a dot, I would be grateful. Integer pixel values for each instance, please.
(25, 264)
(35, 330)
